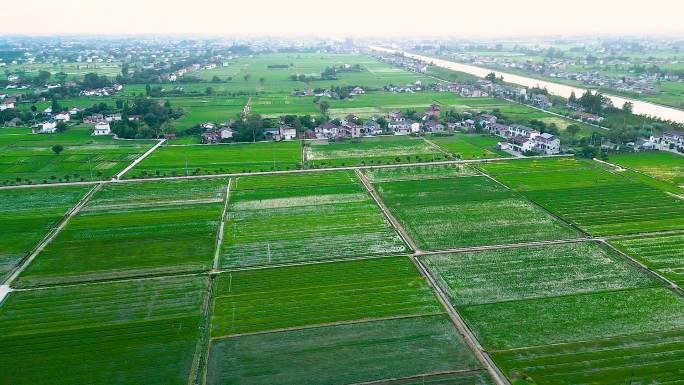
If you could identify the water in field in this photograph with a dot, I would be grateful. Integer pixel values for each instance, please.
(640, 107)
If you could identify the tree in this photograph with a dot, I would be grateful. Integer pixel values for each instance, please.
(491, 77)
(246, 77)
(209, 91)
(55, 106)
(573, 98)
(573, 129)
(628, 107)
(147, 89)
(216, 79)
(57, 148)
(324, 106)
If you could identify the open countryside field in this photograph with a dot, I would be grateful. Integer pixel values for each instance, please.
(135, 229)
(532, 272)
(303, 217)
(28, 215)
(596, 200)
(28, 158)
(124, 333)
(589, 316)
(663, 254)
(464, 146)
(375, 350)
(180, 160)
(639, 358)
(467, 211)
(658, 164)
(267, 299)
(369, 151)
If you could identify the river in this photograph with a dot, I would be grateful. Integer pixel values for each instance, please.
(640, 107)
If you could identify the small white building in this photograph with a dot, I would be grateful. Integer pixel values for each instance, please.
(286, 133)
(102, 128)
(62, 117)
(46, 128)
(226, 133)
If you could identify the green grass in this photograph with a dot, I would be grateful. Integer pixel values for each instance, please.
(28, 158)
(467, 211)
(342, 354)
(116, 333)
(525, 323)
(292, 218)
(217, 159)
(659, 164)
(267, 299)
(532, 272)
(663, 254)
(436, 171)
(27, 215)
(650, 358)
(369, 151)
(135, 229)
(469, 146)
(596, 200)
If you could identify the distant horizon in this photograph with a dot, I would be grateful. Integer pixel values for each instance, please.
(487, 19)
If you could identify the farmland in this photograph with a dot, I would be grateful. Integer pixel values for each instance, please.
(662, 165)
(116, 333)
(26, 216)
(179, 160)
(663, 254)
(376, 350)
(134, 230)
(466, 211)
(27, 158)
(265, 299)
(597, 201)
(204, 264)
(532, 272)
(379, 150)
(300, 208)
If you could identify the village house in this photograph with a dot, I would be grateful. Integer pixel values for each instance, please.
(669, 141)
(587, 117)
(357, 91)
(49, 127)
(547, 144)
(433, 126)
(285, 133)
(211, 137)
(541, 101)
(113, 118)
(350, 130)
(62, 116)
(7, 103)
(94, 118)
(433, 110)
(102, 128)
(14, 122)
(371, 128)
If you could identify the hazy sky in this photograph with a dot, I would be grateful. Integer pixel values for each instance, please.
(337, 18)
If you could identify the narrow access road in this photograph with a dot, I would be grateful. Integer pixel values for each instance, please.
(140, 159)
(219, 235)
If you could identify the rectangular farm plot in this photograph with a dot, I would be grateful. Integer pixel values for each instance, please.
(300, 222)
(278, 298)
(135, 229)
(197, 159)
(432, 171)
(135, 332)
(573, 318)
(595, 200)
(342, 354)
(369, 151)
(27, 215)
(532, 272)
(467, 211)
(649, 358)
(663, 254)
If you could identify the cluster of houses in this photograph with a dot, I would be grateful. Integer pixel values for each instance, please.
(215, 134)
(403, 61)
(521, 139)
(326, 93)
(173, 76)
(556, 68)
(104, 91)
(672, 141)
